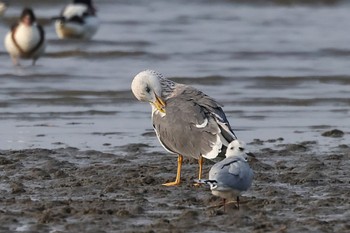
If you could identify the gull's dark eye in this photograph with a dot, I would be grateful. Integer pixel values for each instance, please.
(231, 148)
(241, 148)
(148, 90)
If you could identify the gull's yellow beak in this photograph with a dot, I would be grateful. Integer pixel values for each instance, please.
(159, 104)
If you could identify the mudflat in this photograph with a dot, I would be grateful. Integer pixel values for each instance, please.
(295, 189)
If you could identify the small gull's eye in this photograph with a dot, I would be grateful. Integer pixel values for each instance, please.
(231, 148)
(148, 90)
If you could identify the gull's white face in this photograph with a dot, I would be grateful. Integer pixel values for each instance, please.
(236, 148)
(147, 88)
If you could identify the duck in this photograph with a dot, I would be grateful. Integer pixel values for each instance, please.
(77, 20)
(26, 39)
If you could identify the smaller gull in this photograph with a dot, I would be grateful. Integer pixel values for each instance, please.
(231, 176)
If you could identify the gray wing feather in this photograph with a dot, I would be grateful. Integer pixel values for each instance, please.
(177, 130)
(232, 173)
(235, 169)
(212, 106)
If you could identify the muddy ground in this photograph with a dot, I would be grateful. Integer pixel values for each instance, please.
(296, 189)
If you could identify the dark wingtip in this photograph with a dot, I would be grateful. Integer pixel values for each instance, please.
(57, 18)
(250, 154)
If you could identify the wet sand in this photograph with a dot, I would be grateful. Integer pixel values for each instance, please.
(296, 189)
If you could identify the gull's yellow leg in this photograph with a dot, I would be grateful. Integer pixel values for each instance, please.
(178, 174)
(200, 163)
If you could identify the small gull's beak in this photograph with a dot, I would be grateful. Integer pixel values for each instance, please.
(159, 104)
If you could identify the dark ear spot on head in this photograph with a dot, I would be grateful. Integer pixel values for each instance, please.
(241, 148)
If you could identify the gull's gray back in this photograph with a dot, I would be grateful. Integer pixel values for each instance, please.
(177, 130)
(232, 173)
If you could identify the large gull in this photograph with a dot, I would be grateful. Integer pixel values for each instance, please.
(187, 122)
(231, 176)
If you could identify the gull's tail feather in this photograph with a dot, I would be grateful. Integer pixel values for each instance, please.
(201, 181)
(205, 181)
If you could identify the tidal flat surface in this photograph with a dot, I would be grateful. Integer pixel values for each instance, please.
(282, 72)
(70, 190)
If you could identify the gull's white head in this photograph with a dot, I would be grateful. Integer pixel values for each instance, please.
(147, 87)
(236, 148)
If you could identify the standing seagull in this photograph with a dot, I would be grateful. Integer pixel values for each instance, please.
(231, 176)
(26, 39)
(77, 20)
(187, 121)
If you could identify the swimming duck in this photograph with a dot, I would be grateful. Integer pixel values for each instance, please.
(26, 39)
(77, 20)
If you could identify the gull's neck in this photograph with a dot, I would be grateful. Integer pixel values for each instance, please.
(168, 88)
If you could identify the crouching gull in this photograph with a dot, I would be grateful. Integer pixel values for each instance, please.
(187, 122)
(231, 176)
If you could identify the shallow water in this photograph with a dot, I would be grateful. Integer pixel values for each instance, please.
(280, 71)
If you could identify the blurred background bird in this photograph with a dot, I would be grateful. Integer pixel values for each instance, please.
(77, 20)
(26, 39)
(231, 176)
(3, 7)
